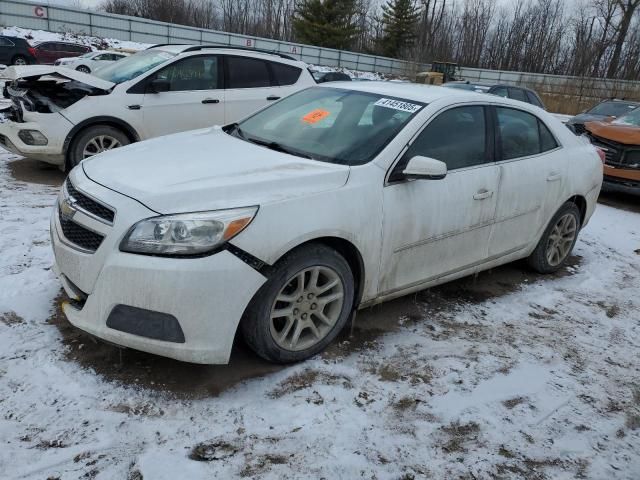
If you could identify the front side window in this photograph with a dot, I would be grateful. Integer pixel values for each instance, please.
(456, 137)
(192, 73)
(245, 72)
(329, 124)
(5, 42)
(133, 66)
(522, 134)
(500, 91)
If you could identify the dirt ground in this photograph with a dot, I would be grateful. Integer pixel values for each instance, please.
(503, 375)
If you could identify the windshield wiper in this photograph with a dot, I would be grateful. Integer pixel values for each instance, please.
(276, 146)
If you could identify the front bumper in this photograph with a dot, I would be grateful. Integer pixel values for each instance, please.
(207, 296)
(623, 180)
(55, 127)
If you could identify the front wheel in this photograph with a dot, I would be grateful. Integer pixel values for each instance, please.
(558, 240)
(303, 306)
(83, 69)
(94, 140)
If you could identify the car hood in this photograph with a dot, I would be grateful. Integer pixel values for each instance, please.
(30, 71)
(209, 170)
(627, 134)
(587, 117)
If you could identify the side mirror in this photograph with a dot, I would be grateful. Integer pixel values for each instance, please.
(159, 85)
(425, 168)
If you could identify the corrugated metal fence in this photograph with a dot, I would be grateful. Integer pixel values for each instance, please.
(561, 93)
(56, 18)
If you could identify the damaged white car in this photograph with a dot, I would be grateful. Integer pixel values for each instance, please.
(335, 198)
(62, 116)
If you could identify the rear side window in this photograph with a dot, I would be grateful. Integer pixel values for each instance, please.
(285, 74)
(5, 42)
(245, 72)
(522, 134)
(518, 94)
(456, 137)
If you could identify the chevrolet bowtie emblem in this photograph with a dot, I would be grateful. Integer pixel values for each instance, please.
(67, 208)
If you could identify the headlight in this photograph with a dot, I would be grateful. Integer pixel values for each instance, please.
(186, 234)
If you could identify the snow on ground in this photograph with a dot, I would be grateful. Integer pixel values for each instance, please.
(509, 375)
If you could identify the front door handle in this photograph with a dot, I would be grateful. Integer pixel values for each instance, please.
(483, 194)
(272, 97)
(554, 176)
(210, 100)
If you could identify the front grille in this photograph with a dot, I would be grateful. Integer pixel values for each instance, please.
(90, 205)
(612, 150)
(79, 235)
(579, 128)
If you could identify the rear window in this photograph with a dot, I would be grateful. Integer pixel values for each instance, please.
(245, 72)
(518, 94)
(285, 74)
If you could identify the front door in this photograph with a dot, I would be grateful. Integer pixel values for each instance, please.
(532, 179)
(432, 228)
(195, 98)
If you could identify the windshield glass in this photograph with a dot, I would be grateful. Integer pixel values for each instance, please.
(612, 109)
(632, 118)
(88, 54)
(133, 66)
(330, 124)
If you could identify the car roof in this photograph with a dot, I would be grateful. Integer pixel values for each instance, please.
(620, 100)
(177, 49)
(417, 91)
(488, 84)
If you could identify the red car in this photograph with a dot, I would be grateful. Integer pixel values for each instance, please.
(49, 52)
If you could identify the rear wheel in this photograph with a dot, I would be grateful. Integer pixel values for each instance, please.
(83, 69)
(94, 140)
(302, 307)
(558, 240)
(19, 60)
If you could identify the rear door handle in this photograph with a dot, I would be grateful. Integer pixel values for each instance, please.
(554, 176)
(272, 97)
(483, 194)
(210, 100)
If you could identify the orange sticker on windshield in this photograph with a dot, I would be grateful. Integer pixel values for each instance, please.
(315, 116)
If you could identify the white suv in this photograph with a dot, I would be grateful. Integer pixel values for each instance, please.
(62, 116)
(333, 199)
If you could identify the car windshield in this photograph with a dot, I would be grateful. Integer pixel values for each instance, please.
(632, 119)
(133, 66)
(612, 109)
(329, 124)
(89, 54)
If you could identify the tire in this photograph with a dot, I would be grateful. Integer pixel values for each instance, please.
(83, 69)
(268, 335)
(19, 60)
(556, 244)
(107, 136)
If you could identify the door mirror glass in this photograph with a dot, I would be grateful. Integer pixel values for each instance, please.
(160, 85)
(425, 168)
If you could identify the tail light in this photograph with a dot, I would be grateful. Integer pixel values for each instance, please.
(32, 51)
(601, 154)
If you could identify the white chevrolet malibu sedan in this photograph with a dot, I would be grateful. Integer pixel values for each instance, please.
(333, 199)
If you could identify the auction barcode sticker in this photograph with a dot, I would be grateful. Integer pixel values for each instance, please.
(398, 105)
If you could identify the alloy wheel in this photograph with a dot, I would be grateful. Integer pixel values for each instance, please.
(307, 308)
(561, 239)
(20, 61)
(100, 144)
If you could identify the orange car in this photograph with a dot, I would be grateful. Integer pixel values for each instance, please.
(620, 141)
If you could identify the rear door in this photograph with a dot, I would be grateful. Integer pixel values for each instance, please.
(532, 179)
(195, 99)
(250, 85)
